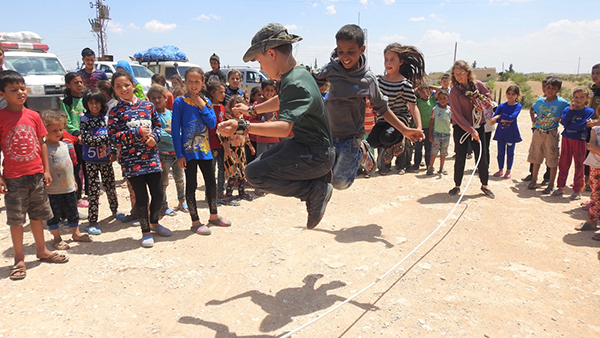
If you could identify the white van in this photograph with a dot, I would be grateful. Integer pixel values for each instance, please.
(43, 72)
(141, 73)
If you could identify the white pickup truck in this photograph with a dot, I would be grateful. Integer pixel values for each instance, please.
(43, 72)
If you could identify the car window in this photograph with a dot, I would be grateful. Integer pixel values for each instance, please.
(182, 70)
(141, 71)
(252, 77)
(34, 65)
(105, 68)
(170, 71)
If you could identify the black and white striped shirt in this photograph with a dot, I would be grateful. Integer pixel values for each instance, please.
(399, 94)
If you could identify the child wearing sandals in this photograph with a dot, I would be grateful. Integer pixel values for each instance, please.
(158, 96)
(593, 160)
(98, 156)
(134, 129)
(25, 172)
(507, 134)
(62, 193)
(235, 155)
(193, 116)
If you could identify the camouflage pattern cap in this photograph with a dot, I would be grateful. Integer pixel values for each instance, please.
(268, 37)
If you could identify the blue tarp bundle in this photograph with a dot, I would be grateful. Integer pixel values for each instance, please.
(164, 53)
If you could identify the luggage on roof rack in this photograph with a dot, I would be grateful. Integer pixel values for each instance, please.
(164, 53)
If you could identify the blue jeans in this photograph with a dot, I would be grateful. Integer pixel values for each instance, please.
(419, 149)
(349, 154)
(291, 169)
(168, 161)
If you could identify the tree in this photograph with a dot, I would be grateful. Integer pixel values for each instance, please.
(474, 64)
(510, 68)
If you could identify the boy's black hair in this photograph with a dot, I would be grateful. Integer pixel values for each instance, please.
(96, 95)
(351, 32)
(554, 81)
(9, 77)
(445, 76)
(68, 78)
(266, 83)
(253, 92)
(87, 52)
(596, 66)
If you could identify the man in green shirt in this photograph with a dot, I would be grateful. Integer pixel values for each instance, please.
(299, 166)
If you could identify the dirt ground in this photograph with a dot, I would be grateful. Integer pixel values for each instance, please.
(509, 267)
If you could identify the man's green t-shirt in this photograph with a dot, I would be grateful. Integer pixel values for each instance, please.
(301, 103)
(425, 108)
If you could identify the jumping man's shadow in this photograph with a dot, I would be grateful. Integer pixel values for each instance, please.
(293, 302)
(367, 233)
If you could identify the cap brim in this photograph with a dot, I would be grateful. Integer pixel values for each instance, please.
(263, 46)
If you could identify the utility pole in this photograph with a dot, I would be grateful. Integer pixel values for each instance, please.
(455, 47)
(99, 24)
(578, 64)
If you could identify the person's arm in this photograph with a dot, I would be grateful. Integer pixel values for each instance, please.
(431, 125)
(592, 146)
(457, 114)
(416, 115)
(271, 129)
(176, 127)
(89, 139)
(512, 116)
(268, 106)
(412, 134)
(566, 117)
(209, 117)
(72, 124)
(47, 176)
(122, 135)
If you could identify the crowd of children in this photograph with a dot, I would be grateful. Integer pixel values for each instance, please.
(67, 154)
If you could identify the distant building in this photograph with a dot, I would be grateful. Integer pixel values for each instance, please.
(483, 74)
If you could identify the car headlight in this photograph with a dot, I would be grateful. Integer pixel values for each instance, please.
(37, 90)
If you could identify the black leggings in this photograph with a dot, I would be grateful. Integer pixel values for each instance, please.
(191, 184)
(77, 168)
(461, 154)
(154, 183)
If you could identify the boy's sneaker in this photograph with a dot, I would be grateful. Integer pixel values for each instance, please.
(401, 172)
(430, 171)
(443, 171)
(92, 229)
(316, 203)
(575, 196)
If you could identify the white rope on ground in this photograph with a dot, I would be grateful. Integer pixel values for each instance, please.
(462, 140)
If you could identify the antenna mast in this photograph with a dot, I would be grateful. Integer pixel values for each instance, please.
(99, 24)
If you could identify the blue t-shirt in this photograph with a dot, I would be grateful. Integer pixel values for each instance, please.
(575, 122)
(548, 113)
(190, 127)
(166, 140)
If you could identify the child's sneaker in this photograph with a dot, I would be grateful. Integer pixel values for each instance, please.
(443, 171)
(575, 196)
(92, 229)
(147, 241)
(430, 171)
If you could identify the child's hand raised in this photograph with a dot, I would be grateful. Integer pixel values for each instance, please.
(240, 109)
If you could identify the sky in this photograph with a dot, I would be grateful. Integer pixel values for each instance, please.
(532, 35)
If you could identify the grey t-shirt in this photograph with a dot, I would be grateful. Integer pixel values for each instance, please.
(61, 169)
(301, 103)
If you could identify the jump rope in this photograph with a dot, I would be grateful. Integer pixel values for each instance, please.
(477, 117)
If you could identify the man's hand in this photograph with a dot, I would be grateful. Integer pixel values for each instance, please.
(240, 108)
(229, 127)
